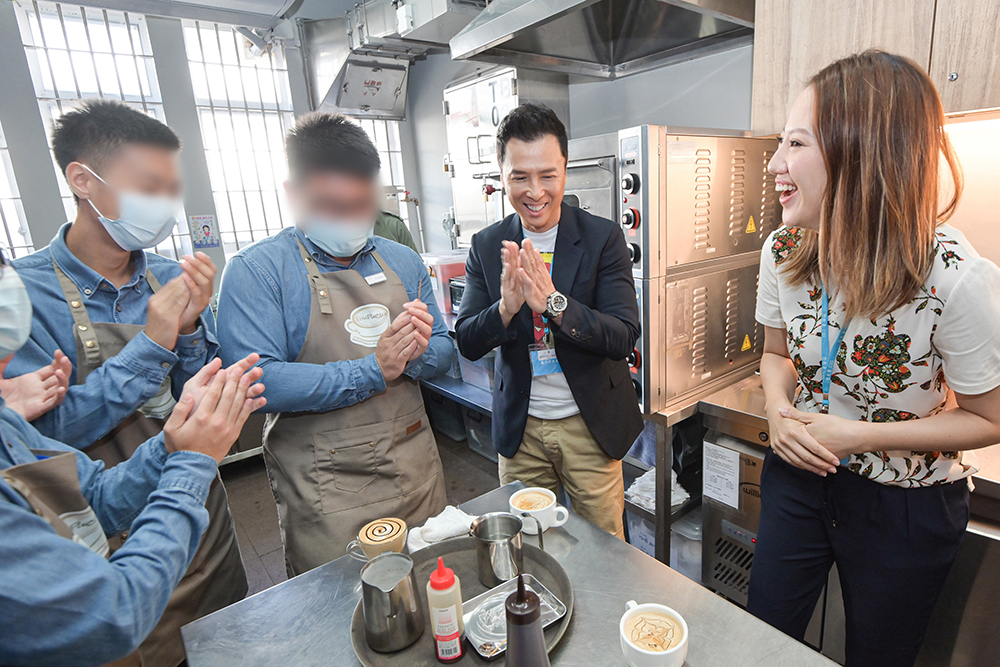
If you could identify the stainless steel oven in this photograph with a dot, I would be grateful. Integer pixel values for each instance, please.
(695, 210)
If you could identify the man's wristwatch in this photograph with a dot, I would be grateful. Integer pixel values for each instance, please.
(556, 305)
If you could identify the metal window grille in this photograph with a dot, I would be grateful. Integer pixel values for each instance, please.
(385, 135)
(245, 108)
(77, 53)
(16, 237)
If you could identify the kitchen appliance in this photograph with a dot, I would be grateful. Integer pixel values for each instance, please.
(730, 537)
(603, 38)
(473, 109)
(695, 211)
(456, 288)
(592, 175)
(689, 197)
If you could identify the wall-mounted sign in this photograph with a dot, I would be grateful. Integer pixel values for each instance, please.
(204, 231)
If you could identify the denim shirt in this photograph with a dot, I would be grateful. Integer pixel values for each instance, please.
(264, 307)
(61, 603)
(126, 381)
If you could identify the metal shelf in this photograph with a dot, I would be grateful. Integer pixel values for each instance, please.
(461, 392)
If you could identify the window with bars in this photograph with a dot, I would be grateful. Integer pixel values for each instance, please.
(77, 53)
(245, 109)
(16, 237)
(385, 135)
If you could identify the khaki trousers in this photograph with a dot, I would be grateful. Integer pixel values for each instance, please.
(562, 451)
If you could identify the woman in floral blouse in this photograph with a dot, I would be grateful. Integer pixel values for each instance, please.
(870, 460)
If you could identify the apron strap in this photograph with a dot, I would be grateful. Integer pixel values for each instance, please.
(381, 262)
(316, 280)
(154, 284)
(13, 477)
(81, 320)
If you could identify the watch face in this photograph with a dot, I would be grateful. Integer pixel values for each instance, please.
(557, 303)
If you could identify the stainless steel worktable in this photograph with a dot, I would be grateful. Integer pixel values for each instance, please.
(305, 622)
(741, 406)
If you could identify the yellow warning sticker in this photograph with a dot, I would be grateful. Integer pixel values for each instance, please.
(751, 226)
(746, 342)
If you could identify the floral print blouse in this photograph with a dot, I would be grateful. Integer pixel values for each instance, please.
(899, 366)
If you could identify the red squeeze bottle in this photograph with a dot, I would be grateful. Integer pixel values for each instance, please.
(444, 599)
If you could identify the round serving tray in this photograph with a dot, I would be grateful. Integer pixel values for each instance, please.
(460, 555)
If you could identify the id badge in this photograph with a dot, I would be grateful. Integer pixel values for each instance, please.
(543, 360)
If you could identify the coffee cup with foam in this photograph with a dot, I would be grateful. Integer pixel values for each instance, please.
(541, 504)
(653, 635)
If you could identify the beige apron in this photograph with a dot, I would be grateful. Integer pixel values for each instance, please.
(332, 472)
(52, 487)
(216, 577)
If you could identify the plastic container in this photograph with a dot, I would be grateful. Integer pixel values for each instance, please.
(445, 415)
(479, 431)
(685, 545)
(444, 601)
(479, 373)
(443, 266)
(641, 533)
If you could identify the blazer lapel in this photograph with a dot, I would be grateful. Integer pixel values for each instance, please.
(568, 254)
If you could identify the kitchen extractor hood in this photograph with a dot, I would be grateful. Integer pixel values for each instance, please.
(360, 81)
(603, 38)
(252, 13)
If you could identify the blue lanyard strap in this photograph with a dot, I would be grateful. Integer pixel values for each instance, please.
(829, 352)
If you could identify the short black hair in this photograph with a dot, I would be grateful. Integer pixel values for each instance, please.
(93, 132)
(322, 141)
(530, 122)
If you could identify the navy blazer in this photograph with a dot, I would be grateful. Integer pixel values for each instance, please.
(599, 329)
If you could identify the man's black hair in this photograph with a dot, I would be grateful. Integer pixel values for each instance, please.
(330, 142)
(530, 122)
(93, 132)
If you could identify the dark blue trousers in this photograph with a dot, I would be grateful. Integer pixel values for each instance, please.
(893, 548)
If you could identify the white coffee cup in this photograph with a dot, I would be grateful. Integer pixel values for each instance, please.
(550, 516)
(640, 657)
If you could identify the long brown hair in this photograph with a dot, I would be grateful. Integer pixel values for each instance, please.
(880, 127)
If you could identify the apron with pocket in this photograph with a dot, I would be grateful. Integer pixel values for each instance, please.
(216, 577)
(51, 486)
(332, 472)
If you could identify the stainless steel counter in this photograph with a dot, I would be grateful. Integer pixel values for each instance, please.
(741, 406)
(305, 621)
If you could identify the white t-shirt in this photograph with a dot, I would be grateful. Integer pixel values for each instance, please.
(900, 366)
(550, 396)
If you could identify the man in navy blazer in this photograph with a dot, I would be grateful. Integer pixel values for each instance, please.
(552, 286)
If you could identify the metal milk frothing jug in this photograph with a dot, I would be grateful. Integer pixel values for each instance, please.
(394, 617)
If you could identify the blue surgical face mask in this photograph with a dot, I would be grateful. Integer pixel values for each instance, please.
(15, 313)
(143, 220)
(339, 238)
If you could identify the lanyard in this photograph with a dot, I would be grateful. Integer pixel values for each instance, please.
(829, 352)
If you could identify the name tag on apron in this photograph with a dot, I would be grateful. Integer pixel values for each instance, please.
(375, 278)
(87, 530)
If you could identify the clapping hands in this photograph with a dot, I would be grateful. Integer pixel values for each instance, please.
(523, 279)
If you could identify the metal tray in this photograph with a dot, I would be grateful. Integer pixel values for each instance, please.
(486, 617)
(460, 555)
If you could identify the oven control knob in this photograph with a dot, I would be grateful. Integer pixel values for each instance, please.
(630, 183)
(638, 389)
(635, 252)
(634, 360)
(630, 218)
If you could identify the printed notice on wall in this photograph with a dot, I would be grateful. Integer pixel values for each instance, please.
(721, 476)
(204, 231)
